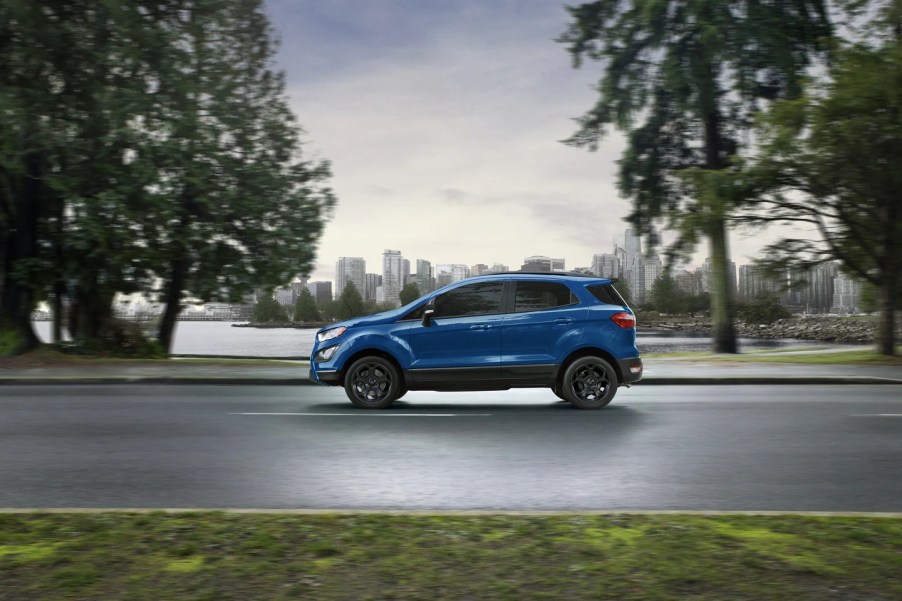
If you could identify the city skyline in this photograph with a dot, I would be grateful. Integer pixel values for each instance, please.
(443, 131)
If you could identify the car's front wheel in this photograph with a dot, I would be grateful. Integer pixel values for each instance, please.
(373, 383)
(589, 383)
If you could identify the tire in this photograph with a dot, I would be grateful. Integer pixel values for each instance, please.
(373, 383)
(589, 383)
(401, 393)
(558, 392)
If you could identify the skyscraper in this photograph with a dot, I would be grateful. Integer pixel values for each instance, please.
(350, 269)
(424, 279)
(448, 273)
(392, 274)
(373, 281)
(605, 265)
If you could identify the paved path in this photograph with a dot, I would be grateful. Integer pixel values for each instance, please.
(814, 448)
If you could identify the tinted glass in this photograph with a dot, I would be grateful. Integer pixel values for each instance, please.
(535, 296)
(474, 299)
(607, 294)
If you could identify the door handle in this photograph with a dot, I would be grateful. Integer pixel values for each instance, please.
(563, 321)
(477, 327)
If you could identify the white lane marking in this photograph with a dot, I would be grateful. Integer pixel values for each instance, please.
(376, 414)
(877, 415)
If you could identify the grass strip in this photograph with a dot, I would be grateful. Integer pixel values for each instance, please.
(223, 556)
(837, 358)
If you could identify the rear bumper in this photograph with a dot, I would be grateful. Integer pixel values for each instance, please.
(631, 369)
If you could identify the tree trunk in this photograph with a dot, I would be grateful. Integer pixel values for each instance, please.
(58, 312)
(886, 328)
(173, 300)
(721, 291)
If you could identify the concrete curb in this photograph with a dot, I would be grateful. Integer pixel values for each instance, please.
(278, 381)
(451, 512)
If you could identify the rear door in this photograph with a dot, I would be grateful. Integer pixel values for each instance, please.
(545, 321)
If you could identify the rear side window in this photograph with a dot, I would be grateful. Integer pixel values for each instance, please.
(474, 299)
(536, 296)
(607, 294)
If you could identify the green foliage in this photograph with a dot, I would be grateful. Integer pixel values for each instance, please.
(305, 308)
(684, 80)
(350, 303)
(667, 297)
(267, 310)
(765, 309)
(409, 293)
(829, 162)
(148, 147)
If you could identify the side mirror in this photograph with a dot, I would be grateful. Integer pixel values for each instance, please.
(428, 312)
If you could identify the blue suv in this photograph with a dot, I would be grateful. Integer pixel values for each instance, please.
(568, 332)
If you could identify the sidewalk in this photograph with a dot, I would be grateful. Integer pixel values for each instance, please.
(658, 371)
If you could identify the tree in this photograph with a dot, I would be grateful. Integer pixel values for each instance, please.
(267, 310)
(244, 209)
(830, 161)
(667, 297)
(350, 303)
(305, 308)
(409, 293)
(765, 308)
(683, 80)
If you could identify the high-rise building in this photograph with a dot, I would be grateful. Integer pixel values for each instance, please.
(498, 268)
(373, 281)
(650, 269)
(405, 272)
(846, 294)
(753, 282)
(448, 273)
(605, 265)
(321, 291)
(350, 269)
(479, 269)
(285, 296)
(425, 281)
(392, 274)
(542, 263)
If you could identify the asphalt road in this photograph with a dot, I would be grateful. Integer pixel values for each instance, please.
(814, 448)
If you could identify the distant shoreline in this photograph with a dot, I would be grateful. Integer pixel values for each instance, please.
(311, 325)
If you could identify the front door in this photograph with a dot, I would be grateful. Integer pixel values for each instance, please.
(463, 340)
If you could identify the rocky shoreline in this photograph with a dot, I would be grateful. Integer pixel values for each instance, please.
(848, 330)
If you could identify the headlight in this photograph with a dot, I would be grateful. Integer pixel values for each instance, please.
(330, 334)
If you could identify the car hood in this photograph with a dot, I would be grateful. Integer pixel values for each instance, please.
(366, 320)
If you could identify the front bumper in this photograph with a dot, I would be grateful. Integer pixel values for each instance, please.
(630, 369)
(328, 378)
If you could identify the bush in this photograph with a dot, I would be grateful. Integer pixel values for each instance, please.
(765, 309)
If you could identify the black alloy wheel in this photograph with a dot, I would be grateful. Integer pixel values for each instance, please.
(372, 383)
(589, 383)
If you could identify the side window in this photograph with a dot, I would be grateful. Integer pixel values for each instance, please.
(607, 294)
(535, 296)
(474, 299)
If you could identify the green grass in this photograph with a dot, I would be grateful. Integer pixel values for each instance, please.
(837, 358)
(217, 556)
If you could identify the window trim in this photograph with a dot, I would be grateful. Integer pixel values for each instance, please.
(501, 304)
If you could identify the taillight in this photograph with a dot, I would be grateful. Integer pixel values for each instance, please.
(624, 320)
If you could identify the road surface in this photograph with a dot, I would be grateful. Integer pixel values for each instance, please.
(812, 448)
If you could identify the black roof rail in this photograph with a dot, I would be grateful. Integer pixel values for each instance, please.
(564, 273)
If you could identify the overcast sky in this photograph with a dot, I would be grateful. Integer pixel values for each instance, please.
(443, 122)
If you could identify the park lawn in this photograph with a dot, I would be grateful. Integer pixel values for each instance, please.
(224, 556)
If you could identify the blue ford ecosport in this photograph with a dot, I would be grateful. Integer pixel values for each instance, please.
(568, 332)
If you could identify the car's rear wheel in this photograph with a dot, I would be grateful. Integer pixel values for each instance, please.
(589, 383)
(558, 392)
(373, 383)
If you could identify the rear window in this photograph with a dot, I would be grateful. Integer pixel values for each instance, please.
(607, 294)
(536, 296)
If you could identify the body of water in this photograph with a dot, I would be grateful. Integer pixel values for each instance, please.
(219, 338)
